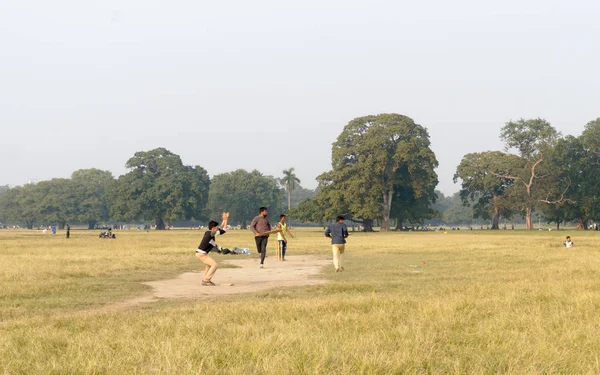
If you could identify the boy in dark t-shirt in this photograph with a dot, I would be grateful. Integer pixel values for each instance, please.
(207, 244)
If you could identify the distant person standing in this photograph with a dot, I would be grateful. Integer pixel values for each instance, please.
(260, 226)
(281, 236)
(338, 233)
(68, 231)
(54, 229)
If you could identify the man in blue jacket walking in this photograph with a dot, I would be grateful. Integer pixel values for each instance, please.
(338, 233)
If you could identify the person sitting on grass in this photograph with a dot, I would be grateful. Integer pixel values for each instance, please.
(568, 243)
(206, 245)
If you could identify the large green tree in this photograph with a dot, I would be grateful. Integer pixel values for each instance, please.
(367, 158)
(532, 140)
(481, 185)
(159, 187)
(91, 186)
(289, 182)
(575, 178)
(242, 193)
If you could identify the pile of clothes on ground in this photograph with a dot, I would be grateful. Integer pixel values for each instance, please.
(234, 251)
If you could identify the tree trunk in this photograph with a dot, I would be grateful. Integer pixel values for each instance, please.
(581, 223)
(29, 224)
(92, 224)
(368, 225)
(61, 224)
(387, 208)
(528, 224)
(244, 225)
(289, 199)
(496, 219)
(399, 223)
(557, 224)
(160, 224)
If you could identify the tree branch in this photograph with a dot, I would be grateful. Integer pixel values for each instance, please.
(562, 197)
(509, 177)
(533, 170)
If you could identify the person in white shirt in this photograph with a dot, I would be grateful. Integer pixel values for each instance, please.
(568, 243)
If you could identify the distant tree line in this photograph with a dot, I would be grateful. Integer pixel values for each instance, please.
(157, 188)
(382, 171)
(539, 170)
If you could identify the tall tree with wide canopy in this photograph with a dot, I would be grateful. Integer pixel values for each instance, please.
(481, 184)
(289, 182)
(367, 156)
(533, 141)
(242, 193)
(159, 187)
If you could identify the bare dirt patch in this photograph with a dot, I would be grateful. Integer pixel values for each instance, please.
(248, 278)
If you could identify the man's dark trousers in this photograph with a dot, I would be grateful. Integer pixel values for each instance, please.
(261, 246)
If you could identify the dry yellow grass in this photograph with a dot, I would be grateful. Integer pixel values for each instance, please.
(504, 302)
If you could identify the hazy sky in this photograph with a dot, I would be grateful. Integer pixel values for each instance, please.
(88, 83)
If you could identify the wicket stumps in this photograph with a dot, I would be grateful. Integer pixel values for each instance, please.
(278, 251)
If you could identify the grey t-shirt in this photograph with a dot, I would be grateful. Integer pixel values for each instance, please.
(260, 225)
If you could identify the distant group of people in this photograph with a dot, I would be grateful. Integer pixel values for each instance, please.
(261, 228)
(52, 229)
(108, 234)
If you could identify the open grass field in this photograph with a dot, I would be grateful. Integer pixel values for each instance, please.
(465, 302)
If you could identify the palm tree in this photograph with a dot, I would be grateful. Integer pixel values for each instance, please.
(289, 182)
